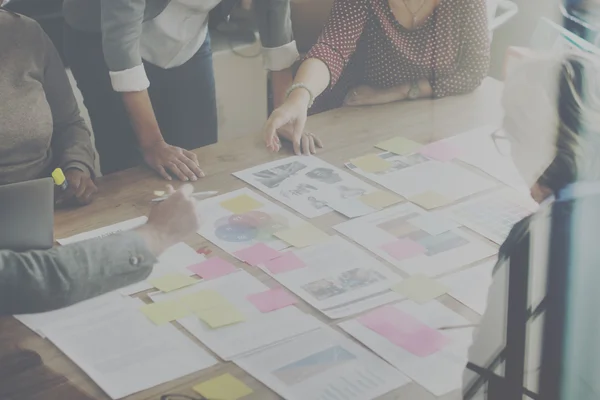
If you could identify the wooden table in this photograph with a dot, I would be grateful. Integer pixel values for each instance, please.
(346, 132)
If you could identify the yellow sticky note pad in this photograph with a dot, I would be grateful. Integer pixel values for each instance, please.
(241, 204)
(380, 199)
(224, 387)
(224, 315)
(164, 312)
(302, 236)
(203, 300)
(371, 163)
(399, 145)
(170, 282)
(430, 199)
(420, 288)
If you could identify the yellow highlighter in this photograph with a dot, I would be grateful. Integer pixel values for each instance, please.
(59, 179)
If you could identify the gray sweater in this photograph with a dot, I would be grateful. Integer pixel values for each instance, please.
(40, 125)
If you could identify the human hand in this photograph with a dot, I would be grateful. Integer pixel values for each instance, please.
(80, 190)
(164, 158)
(172, 220)
(363, 95)
(308, 143)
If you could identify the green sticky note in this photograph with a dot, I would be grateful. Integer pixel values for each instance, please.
(164, 312)
(170, 282)
(241, 204)
(400, 145)
(430, 199)
(371, 163)
(380, 199)
(302, 236)
(223, 315)
(224, 387)
(420, 288)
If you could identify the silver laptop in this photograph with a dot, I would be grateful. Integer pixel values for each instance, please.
(27, 215)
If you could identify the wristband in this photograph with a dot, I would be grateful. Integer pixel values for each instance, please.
(301, 86)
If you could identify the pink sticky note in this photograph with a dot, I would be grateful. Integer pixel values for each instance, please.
(257, 254)
(403, 249)
(287, 262)
(271, 300)
(404, 331)
(441, 151)
(212, 268)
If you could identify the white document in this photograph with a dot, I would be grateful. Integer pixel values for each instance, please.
(106, 231)
(493, 215)
(416, 174)
(123, 352)
(175, 259)
(439, 373)
(322, 365)
(257, 331)
(445, 252)
(233, 232)
(305, 183)
(340, 279)
(471, 285)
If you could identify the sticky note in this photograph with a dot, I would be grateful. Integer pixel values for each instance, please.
(203, 299)
(433, 224)
(371, 163)
(403, 249)
(212, 268)
(170, 282)
(404, 331)
(217, 317)
(441, 151)
(420, 288)
(302, 236)
(399, 145)
(164, 312)
(430, 199)
(241, 204)
(287, 262)
(159, 193)
(271, 300)
(224, 387)
(380, 199)
(257, 254)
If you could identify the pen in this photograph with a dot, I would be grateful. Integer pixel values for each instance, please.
(197, 194)
(59, 179)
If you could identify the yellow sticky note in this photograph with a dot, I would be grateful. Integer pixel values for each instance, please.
(380, 199)
(203, 299)
(241, 204)
(420, 288)
(399, 145)
(170, 282)
(371, 163)
(302, 236)
(224, 315)
(430, 199)
(164, 312)
(224, 387)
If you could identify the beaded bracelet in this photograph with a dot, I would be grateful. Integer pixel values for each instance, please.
(301, 86)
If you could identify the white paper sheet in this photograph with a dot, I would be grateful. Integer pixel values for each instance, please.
(494, 214)
(233, 232)
(439, 373)
(105, 231)
(416, 174)
(322, 365)
(123, 352)
(303, 182)
(445, 252)
(257, 331)
(471, 285)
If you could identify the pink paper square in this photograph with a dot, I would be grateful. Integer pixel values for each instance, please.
(212, 268)
(441, 151)
(271, 300)
(287, 262)
(257, 254)
(403, 249)
(404, 331)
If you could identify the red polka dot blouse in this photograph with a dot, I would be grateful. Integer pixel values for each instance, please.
(364, 44)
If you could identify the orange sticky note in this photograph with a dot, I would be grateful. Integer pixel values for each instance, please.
(164, 312)
(399, 145)
(170, 282)
(371, 163)
(430, 199)
(224, 387)
(241, 204)
(420, 288)
(302, 236)
(380, 199)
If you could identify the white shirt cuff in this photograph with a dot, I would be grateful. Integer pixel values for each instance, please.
(130, 80)
(282, 57)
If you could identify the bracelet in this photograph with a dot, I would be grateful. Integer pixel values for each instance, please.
(301, 86)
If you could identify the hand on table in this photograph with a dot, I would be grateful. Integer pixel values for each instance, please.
(81, 188)
(165, 159)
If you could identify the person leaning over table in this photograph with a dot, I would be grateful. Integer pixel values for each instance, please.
(381, 51)
(40, 125)
(552, 120)
(145, 70)
(39, 281)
